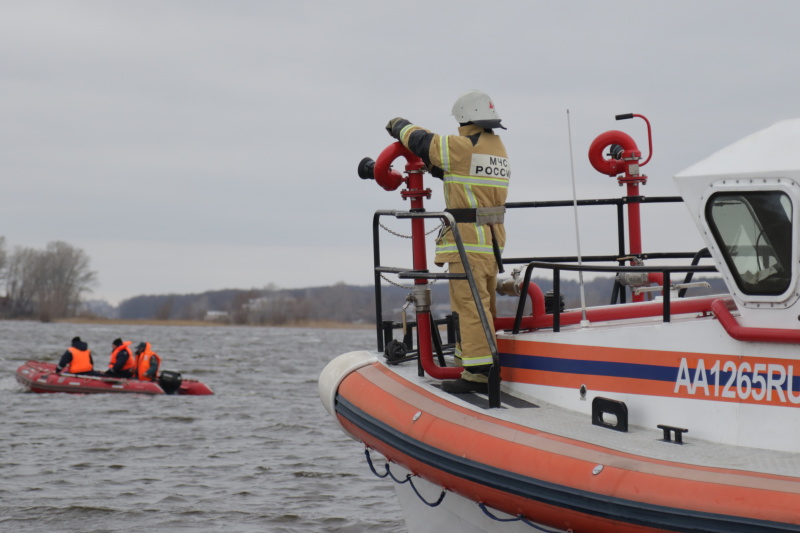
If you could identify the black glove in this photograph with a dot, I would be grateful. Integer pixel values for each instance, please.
(391, 124)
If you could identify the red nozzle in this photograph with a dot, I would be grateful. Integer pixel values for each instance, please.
(614, 166)
(386, 177)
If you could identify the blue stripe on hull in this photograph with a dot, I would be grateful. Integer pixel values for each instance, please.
(620, 370)
(595, 368)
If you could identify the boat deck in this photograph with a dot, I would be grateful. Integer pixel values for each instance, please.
(638, 441)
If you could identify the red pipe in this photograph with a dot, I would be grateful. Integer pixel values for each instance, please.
(537, 298)
(616, 312)
(540, 320)
(634, 222)
(415, 168)
(426, 351)
(537, 308)
(746, 334)
(634, 229)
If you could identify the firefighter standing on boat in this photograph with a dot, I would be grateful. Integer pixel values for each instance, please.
(475, 170)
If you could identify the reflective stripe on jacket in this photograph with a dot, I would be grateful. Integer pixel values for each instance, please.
(475, 170)
(81, 361)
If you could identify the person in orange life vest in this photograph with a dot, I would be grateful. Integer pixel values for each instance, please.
(474, 168)
(123, 362)
(148, 363)
(77, 359)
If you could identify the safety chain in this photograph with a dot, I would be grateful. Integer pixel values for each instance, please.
(408, 479)
(406, 236)
(387, 280)
(390, 282)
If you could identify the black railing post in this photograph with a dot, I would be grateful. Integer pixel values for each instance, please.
(556, 299)
(522, 296)
(376, 258)
(623, 295)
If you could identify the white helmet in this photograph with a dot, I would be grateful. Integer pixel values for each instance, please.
(478, 108)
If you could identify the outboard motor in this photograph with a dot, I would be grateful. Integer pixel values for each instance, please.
(170, 381)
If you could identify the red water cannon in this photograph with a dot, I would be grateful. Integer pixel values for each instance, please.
(623, 153)
(624, 159)
(382, 172)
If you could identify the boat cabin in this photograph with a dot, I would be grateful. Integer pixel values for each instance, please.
(744, 199)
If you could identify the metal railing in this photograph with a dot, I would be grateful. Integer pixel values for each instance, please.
(666, 272)
(404, 273)
(554, 264)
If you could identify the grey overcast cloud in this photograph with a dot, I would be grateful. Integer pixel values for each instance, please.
(195, 145)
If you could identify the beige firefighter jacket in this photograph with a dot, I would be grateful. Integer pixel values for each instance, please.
(475, 170)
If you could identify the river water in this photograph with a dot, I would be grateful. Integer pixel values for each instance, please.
(262, 454)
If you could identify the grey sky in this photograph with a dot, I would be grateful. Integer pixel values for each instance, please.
(196, 145)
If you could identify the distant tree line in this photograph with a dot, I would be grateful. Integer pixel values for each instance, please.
(340, 302)
(267, 306)
(48, 284)
(44, 284)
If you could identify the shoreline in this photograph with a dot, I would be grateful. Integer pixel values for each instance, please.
(303, 324)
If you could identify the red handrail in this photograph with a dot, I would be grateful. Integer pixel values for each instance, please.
(541, 320)
(748, 334)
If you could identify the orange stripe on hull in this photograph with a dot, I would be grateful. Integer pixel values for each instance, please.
(553, 516)
(597, 353)
(566, 463)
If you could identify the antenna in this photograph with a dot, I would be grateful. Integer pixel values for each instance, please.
(584, 321)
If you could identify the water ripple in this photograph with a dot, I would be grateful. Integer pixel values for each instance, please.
(259, 455)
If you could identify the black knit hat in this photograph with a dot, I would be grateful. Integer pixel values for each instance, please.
(117, 342)
(76, 340)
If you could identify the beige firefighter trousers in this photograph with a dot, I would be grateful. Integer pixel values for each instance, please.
(474, 349)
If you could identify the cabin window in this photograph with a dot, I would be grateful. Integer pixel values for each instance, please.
(754, 232)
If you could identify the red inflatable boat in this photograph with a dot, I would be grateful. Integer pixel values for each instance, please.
(39, 376)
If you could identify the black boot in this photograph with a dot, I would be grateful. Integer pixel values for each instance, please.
(462, 386)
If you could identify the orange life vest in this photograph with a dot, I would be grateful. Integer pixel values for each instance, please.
(130, 364)
(81, 361)
(143, 363)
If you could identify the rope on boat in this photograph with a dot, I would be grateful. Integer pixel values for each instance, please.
(518, 518)
(408, 479)
(372, 467)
